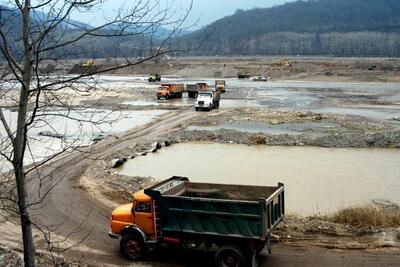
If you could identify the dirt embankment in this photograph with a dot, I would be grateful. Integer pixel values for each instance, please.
(296, 68)
(360, 228)
(319, 129)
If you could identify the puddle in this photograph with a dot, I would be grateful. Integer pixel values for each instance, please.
(331, 97)
(381, 114)
(257, 127)
(171, 102)
(337, 97)
(317, 180)
(74, 133)
(234, 103)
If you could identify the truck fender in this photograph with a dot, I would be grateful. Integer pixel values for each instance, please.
(132, 229)
(269, 244)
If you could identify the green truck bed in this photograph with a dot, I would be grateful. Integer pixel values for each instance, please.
(216, 210)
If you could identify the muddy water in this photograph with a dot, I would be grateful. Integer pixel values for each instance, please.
(317, 180)
(79, 129)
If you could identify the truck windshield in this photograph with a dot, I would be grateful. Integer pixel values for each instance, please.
(143, 207)
(204, 95)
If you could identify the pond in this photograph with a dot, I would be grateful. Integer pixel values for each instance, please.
(317, 180)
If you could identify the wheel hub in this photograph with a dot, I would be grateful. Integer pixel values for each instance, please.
(229, 261)
(132, 247)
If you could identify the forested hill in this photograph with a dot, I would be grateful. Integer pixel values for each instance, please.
(314, 27)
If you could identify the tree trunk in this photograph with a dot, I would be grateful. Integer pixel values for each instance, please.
(26, 224)
(21, 140)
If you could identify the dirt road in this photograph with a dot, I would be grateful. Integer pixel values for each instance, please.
(72, 212)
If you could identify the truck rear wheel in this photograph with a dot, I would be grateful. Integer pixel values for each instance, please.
(132, 247)
(229, 256)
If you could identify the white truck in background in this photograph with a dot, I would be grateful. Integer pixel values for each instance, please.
(207, 100)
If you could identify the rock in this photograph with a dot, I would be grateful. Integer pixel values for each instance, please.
(10, 258)
(167, 143)
(318, 117)
(98, 137)
(115, 163)
(274, 122)
(51, 134)
(156, 145)
(395, 119)
(275, 237)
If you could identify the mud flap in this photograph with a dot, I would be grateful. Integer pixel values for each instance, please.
(269, 244)
(253, 260)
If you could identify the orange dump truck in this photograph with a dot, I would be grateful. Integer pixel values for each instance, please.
(236, 219)
(193, 89)
(168, 91)
(220, 86)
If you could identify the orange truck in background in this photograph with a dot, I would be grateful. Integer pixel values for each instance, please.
(168, 91)
(220, 86)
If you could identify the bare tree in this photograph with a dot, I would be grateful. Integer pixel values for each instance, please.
(34, 34)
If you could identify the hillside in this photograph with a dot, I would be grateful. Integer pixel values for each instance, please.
(136, 41)
(334, 27)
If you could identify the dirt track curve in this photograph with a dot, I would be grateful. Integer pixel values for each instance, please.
(70, 209)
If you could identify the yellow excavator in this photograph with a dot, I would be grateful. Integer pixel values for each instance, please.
(88, 63)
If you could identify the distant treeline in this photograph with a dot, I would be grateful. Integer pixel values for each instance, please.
(317, 27)
(292, 43)
(313, 27)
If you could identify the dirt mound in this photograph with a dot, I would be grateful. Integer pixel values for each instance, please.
(207, 71)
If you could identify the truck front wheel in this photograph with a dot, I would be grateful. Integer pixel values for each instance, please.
(132, 247)
(229, 256)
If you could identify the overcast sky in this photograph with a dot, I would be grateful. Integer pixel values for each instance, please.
(205, 11)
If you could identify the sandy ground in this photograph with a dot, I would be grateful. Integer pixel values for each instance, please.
(299, 68)
(87, 192)
(75, 204)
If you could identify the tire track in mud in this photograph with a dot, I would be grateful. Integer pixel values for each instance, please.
(71, 210)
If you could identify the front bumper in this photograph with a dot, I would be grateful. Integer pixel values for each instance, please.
(113, 235)
(197, 105)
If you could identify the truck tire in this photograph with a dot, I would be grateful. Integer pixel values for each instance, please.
(197, 109)
(229, 256)
(132, 247)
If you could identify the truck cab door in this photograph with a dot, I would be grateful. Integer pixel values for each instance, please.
(144, 217)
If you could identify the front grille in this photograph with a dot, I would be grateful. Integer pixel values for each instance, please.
(201, 103)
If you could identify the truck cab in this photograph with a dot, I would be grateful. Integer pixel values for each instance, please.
(139, 213)
(207, 100)
(163, 92)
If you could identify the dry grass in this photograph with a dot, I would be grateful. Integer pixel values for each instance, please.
(258, 139)
(368, 215)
